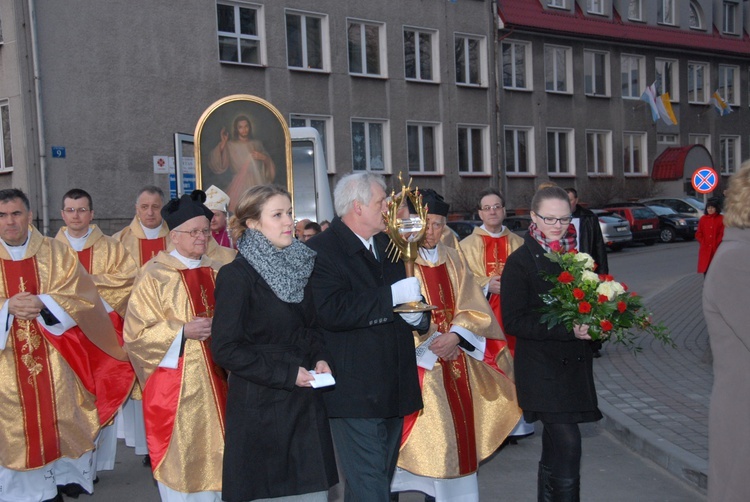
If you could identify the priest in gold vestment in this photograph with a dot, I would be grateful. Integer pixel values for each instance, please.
(113, 271)
(466, 377)
(167, 326)
(53, 320)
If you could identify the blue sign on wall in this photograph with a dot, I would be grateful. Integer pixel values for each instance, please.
(58, 152)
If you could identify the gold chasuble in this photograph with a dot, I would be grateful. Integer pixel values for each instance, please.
(183, 407)
(113, 271)
(47, 404)
(470, 406)
(140, 248)
(486, 256)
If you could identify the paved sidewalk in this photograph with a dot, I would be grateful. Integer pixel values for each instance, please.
(656, 401)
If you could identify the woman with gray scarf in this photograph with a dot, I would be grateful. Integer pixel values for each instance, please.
(278, 444)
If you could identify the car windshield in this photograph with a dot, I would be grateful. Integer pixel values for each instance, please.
(662, 210)
(697, 203)
(643, 213)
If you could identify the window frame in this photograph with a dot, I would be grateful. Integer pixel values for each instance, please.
(527, 61)
(4, 168)
(568, 52)
(641, 62)
(706, 82)
(728, 7)
(530, 151)
(260, 37)
(607, 80)
(570, 141)
(382, 45)
(386, 138)
(434, 55)
(693, 7)
(639, 3)
(327, 138)
(591, 7)
(484, 132)
(482, 70)
(734, 100)
(597, 172)
(325, 49)
(660, 10)
(700, 139)
(557, 4)
(727, 170)
(674, 92)
(437, 147)
(664, 139)
(627, 144)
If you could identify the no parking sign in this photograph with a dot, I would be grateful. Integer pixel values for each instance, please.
(705, 180)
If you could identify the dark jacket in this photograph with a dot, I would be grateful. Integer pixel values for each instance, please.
(277, 437)
(553, 368)
(372, 348)
(590, 239)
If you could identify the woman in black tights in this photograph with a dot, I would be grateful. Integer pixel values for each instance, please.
(553, 367)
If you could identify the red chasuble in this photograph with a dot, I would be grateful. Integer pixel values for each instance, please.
(150, 247)
(161, 394)
(439, 292)
(495, 255)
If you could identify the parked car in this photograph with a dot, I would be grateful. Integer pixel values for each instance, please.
(518, 224)
(644, 223)
(464, 228)
(615, 229)
(683, 205)
(674, 224)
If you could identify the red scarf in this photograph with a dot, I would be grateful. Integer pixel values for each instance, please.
(565, 244)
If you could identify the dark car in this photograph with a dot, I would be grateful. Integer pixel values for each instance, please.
(683, 205)
(644, 223)
(674, 224)
(519, 224)
(464, 228)
(615, 229)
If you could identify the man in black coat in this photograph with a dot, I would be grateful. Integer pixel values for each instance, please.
(355, 287)
(590, 239)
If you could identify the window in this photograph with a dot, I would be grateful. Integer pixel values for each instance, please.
(422, 141)
(366, 48)
(560, 151)
(595, 6)
(729, 160)
(700, 139)
(596, 73)
(665, 11)
(632, 69)
(668, 78)
(322, 124)
(599, 152)
(517, 65)
(729, 83)
(668, 139)
(695, 18)
(519, 150)
(6, 159)
(473, 151)
(370, 145)
(634, 153)
(471, 61)
(699, 80)
(557, 69)
(240, 28)
(729, 19)
(307, 41)
(635, 10)
(420, 54)
(558, 4)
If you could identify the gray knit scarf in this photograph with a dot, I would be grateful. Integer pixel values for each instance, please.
(285, 270)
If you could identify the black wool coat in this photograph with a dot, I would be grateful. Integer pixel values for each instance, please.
(554, 369)
(277, 437)
(372, 348)
(590, 239)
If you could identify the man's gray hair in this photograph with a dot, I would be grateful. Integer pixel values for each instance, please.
(152, 189)
(355, 186)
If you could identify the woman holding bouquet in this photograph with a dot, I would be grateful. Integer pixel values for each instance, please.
(553, 367)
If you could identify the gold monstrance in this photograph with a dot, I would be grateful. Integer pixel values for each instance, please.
(406, 234)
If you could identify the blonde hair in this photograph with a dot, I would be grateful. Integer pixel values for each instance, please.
(250, 207)
(737, 202)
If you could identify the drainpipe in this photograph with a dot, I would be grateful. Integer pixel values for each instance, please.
(39, 122)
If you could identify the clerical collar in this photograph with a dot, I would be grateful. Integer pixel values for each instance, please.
(429, 255)
(77, 243)
(17, 252)
(188, 262)
(151, 233)
(493, 234)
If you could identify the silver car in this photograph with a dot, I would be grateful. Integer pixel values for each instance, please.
(615, 229)
(684, 205)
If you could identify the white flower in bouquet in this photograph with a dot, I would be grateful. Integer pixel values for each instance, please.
(589, 276)
(610, 289)
(586, 259)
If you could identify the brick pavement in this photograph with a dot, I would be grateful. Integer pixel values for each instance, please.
(657, 401)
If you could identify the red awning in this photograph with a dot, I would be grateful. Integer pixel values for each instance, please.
(670, 165)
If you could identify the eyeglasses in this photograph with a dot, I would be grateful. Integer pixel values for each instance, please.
(80, 210)
(195, 233)
(494, 207)
(552, 221)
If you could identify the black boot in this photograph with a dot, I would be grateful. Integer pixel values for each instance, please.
(543, 488)
(565, 489)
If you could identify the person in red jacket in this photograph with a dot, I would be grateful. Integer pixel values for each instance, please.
(709, 234)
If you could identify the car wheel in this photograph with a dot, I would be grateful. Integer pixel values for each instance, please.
(667, 234)
(650, 242)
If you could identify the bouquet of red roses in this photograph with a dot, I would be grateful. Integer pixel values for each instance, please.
(581, 296)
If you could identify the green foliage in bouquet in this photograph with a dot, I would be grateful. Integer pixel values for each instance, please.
(581, 296)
